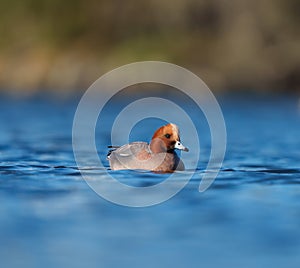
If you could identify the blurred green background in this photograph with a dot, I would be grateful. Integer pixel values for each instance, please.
(232, 45)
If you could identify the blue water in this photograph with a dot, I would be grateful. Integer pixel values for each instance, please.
(250, 217)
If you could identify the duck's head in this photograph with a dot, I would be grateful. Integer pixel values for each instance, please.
(166, 139)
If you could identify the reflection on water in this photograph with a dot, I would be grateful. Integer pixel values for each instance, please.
(249, 217)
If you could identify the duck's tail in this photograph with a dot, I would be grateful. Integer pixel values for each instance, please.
(112, 148)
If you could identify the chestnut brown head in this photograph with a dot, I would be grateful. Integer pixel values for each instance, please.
(166, 138)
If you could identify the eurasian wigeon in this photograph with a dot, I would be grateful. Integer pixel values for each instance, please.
(158, 156)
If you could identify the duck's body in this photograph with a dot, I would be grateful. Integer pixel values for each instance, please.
(158, 156)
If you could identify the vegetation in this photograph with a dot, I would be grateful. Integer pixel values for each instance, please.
(237, 44)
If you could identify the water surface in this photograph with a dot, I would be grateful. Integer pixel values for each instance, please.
(250, 217)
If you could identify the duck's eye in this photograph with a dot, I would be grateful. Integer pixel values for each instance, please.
(168, 136)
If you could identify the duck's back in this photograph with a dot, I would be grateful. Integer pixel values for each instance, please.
(126, 156)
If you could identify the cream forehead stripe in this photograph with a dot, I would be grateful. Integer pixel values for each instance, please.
(175, 130)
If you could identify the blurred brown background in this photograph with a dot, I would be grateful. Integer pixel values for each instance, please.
(232, 45)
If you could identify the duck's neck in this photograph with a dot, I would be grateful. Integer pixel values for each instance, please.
(158, 146)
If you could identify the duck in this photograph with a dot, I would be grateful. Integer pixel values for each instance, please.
(157, 156)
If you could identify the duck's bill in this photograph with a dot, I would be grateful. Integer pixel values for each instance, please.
(179, 146)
